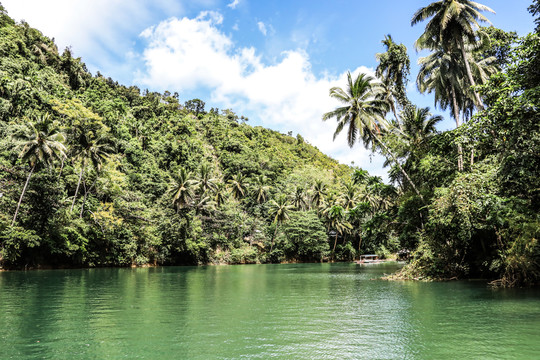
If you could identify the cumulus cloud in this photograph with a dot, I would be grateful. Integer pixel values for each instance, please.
(262, 27)
(95, 29)
(186, 54)
(234, 4)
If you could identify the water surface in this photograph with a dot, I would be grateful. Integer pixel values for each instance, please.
(300, 311)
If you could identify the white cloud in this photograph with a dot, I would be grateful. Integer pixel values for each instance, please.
(262, 27)
(186, 54)
(234, 4)
(95, 29)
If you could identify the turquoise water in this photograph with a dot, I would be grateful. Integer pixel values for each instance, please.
(300, 311)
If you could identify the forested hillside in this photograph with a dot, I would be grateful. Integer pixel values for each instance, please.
(94, 173)
(107, 175)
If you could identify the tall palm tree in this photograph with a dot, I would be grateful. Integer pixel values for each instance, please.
(336, 217)
(441, 73)
(359, 176)
(452, 23)
(220, 193)
(418, 127)
(238, 186)
(260, 188)
(356, 217)
(319, 192)
(393, 69)
(183, 188)
(41, 144)
(205, 181)
(279, 210)
(349, 196)
(299, 199)
(89, 147)
(363, 113)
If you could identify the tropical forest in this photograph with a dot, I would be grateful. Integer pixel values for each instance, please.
(94, 173)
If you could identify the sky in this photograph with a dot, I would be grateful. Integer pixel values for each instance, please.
(272, 61)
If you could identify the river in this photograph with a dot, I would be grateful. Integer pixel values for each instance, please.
(294, 311)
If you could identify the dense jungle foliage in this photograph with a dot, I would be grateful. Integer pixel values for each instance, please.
(94, 173)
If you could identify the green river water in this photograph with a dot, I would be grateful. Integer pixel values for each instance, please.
(297, 311)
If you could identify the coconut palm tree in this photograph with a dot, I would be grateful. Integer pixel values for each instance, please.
(183, 188)
(441, 73)
(238, 186)
(452, 24)
(336, 217)
(299, 199)
(220, 192)
(41, 144)
(89, 147)
(393, 69)
(363, 114)
(279, 210)
(418, 127)
(260, 188)
(319, 192)
(205, 182)
(356, 217)
(349, 196)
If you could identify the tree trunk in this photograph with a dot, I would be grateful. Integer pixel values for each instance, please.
(359, 244)
(472, 157)
(480, 104)
(399, 165)
(86, 191)
(273, 237)
(61, 168)
(77, 190)
(455, 108)
(22, 194)
(334, 249)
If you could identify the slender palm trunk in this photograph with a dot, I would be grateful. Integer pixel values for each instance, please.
(273, 237)
(359, 244)
(472, 158)
(78, 185)
(456, 116)
(399, 166)
(398, 119)
(479, 103)
(22, 194)
(334, 249)
(61, 167)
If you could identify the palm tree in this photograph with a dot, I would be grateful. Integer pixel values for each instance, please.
(238, 186)
(452, 24)
(359, 176)
(441, 73)
(260, 188)
(220, 191)
(41, 144)
(183, 188)
(336, 217)
(89, 147)
(356, 216)
(279, 210)
(299, 201)
(418, 127)
(206, 182)
(319, 191)
(363, 113)
(393, 69)
(349, 196)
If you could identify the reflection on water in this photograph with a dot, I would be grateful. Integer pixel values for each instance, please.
(309, 311)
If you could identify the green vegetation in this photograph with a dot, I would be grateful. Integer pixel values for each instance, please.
(94, 173)
(481, 217)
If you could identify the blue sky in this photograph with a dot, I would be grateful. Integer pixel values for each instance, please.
(273, 61)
